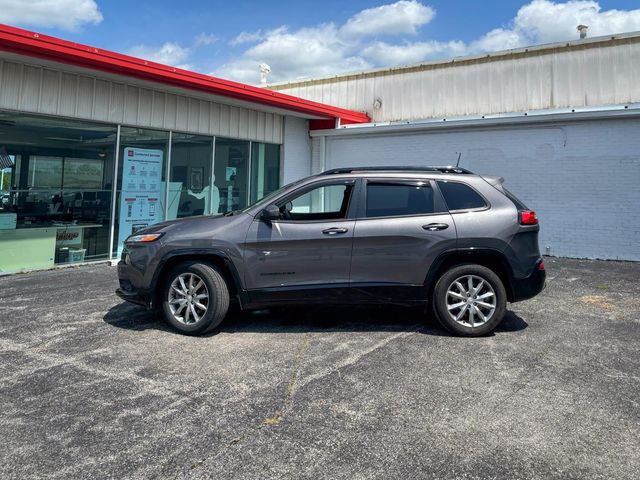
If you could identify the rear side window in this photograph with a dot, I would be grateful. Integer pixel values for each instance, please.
(460, 197)
(519, 205)
(391, 200)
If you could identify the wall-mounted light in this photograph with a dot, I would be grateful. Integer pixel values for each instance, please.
(377, 104)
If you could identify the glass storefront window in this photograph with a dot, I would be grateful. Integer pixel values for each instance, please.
(265, 169)
(82, 173)
(57, 185)
(231, 171)
(141, 187)
(45, 172)
(190, 191)
(55, 200)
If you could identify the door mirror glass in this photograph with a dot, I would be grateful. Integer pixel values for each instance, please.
(272, 212)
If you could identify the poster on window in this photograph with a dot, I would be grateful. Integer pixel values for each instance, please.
(141, 191)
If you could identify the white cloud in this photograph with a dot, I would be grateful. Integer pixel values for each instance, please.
(324, 49)
(382, 53)
(171, 53)
(203, 39)
(167, 54)
(332, 49)
(547, 21)
(403, 17)
(247, 37)
(63, 14)
(306, 52)
(498, 39)
(544, 21)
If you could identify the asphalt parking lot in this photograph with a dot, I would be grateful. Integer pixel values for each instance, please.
(95, 388)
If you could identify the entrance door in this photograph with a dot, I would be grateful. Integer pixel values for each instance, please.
(305, 253)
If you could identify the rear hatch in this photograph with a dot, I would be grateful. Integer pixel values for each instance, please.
(523, 247)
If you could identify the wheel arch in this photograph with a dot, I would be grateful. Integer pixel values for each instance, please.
(492, 259)
(218, 259)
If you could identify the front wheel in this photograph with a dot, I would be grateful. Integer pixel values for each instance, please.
(195, 298)
(470, 300)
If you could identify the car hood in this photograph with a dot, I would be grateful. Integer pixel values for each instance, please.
(192, 224)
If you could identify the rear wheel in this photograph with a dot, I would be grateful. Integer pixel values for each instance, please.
(195, 298)
(470, 300)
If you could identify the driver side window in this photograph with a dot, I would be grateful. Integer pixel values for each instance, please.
(326, 202)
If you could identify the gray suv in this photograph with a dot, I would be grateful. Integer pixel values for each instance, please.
(390, 235)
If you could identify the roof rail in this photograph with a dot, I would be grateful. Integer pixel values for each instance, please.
(434, 169)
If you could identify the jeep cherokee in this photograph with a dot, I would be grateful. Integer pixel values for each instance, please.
(391, 235)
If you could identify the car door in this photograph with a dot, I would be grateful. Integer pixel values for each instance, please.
(402, 226)
(305, 253)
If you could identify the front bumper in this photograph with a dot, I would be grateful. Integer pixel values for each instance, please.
(529, 287)
(129, 286)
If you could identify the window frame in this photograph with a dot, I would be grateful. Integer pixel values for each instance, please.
(439, 205)
(351, 206)
(487, 204)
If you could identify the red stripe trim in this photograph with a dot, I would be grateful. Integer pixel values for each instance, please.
(24, 42)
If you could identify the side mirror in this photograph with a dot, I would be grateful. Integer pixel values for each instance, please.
(272, 212)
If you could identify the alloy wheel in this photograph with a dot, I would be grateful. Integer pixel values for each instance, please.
(471, 301)
(188, 298)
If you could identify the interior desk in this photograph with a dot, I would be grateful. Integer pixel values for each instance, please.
(31, 248)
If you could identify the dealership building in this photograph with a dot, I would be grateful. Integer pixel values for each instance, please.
(95, 145)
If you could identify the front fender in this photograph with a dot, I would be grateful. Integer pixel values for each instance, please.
(217, 256)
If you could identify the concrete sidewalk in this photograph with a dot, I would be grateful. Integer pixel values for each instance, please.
(94, 388)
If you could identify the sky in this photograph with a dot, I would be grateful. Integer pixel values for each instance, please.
(304, 39)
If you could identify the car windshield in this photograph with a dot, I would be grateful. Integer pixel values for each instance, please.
(266, 200)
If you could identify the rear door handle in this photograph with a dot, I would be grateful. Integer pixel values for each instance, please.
(432, 227)
(335, 231)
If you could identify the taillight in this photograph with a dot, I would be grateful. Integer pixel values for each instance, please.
(528, 217)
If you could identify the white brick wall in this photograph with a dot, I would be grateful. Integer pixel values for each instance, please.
(583, 178)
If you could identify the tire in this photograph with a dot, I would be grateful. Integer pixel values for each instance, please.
(474, 317)
(180, 314)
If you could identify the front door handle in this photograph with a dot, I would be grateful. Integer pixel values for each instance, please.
(335, 231)
(432, 227)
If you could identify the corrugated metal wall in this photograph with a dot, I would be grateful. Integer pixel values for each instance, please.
(602, 73)
(55, 92)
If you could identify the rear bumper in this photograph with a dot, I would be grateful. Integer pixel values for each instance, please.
(129, 286)
(529, 287)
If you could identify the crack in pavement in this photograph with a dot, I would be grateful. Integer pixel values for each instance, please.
(295, 385)
(291, 387)
(353, 359)
(279, 415)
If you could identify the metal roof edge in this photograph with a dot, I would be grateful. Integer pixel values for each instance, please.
(535, 116)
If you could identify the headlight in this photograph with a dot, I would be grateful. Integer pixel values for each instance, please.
(145, 238)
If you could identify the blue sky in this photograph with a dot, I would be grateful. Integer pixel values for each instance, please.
(301, 39)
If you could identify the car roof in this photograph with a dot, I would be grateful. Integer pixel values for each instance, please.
(432, 172)
(397, 169)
